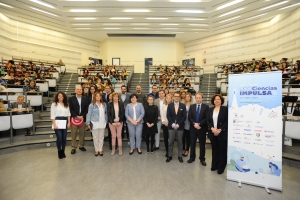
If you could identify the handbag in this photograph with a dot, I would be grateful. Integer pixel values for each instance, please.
(76, 122)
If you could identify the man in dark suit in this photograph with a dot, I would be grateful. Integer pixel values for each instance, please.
(20, 105)
(78, 108)
(198, 128)
(105, 96)
(125, 98)
(176, 115)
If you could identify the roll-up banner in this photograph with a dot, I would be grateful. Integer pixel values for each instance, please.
(255, 129)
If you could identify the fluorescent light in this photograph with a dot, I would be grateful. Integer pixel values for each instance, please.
(3, 4)
(81, 24)
(122, 18)
(234, 11)
(156, 18)
(255, 16)
(82, 28)
(189, 11)
(43, 11)
(198, 24)
(229, 4)
(289, 6)
(111, 24)
(276, 4)
(139, 24)
(229, 19)
(227, 24)
(85, 18)
(111, 28)
(185, 1)
(177, 32)
(42, 3)
(201, 29)
(136, 10)
(169, 24)
(141, 28)
(82, 10)
(170, 28)
(193, 19)
(133, 0)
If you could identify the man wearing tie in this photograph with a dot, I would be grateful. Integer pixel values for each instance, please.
(198, 128)
(125, 98)
(176, 115)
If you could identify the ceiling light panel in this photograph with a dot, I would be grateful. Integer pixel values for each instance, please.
(233, 11)
(82, 10)
(156, 18)
(43, 11)
(198, 24)
(42, 3)
(3, 4)
(290, 6)
(136, 10)
(189, 11)
(195, 19)
(120, 18)
(85, 18)
(276, 4)
(256, 16)
(229, 4)
(229, 19)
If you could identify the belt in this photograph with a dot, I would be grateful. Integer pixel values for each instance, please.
(62, 118)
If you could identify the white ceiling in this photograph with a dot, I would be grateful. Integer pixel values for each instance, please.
(211, 22)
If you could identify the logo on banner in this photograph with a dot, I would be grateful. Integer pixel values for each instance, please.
(269, 131)
(258, 131)
(237, 141)
(247, 143)
(248, 134)
(269, 136)
(258, 126)
(257, 134)
(237, 121)
(236, 133)
(247, 129)
(255, 90)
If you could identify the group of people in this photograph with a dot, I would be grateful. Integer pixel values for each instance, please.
(287, 68)
(145, 115)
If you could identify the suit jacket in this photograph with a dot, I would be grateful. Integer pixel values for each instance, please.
(222, 123)
(13, 105)
(203, 117)
(157, 103)
(104, 98)
(139, 109)
(111, 112)
(127, 99)
(178, 118)
(74, 106)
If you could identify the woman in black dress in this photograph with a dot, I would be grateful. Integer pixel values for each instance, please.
(150, 120)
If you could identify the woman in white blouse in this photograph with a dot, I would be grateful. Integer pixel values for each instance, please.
(96, 121)
(164, 120)
(60, 111)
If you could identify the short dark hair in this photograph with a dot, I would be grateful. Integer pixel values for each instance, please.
(177, 92)
(133, 95)
(217, 95)
(123, 86)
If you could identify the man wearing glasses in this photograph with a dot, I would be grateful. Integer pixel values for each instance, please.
(176, 115)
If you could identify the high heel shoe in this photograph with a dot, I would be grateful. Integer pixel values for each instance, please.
(140, 152)
(96, 154)
(101, 154)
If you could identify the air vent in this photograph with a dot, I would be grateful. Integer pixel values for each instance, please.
(141, 35)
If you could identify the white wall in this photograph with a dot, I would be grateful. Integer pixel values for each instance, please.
(274, 40)
(18, 39)
(134, 51)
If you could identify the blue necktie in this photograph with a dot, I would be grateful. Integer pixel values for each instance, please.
(198, 114)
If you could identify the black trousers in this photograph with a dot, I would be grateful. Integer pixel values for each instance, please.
(152, 141)
(186, 140)
(219, 154)
(166, 137)
(125, 128)
(194, 134)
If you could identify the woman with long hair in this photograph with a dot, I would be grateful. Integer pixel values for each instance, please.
(96, 121)
(115, 115)
(60, 111)
(186, 132)
(164, 120)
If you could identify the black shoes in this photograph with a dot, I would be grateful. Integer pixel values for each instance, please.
(155, 148)
(190, 160)
(82, 149)
(166, 155)
(203, 162)
(140, 152)
(213, 169)
(180, 159)
(73, 151)
(169, 159)
(220, 172)
(59, 154)
(131, 152)
(63, 155)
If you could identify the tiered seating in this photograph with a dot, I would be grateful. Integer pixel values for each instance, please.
(194, 77)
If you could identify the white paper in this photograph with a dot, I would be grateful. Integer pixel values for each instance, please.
(61, 124)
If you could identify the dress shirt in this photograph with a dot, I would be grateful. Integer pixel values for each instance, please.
(59, 111)
(79, 101)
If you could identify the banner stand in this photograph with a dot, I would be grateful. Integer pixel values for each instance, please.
(254, 154)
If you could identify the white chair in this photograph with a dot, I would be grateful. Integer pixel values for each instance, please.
(35, 100)
(55, 74)
(224, 87)
(22, 121)
(4, 123)
(52, 82)
(292, 130)
(44, 87)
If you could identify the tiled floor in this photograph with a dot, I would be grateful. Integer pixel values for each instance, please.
(39, 174)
